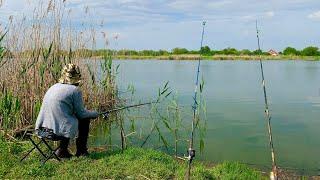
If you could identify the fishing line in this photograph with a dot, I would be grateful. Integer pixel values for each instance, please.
(127, 107)
(273, 174)
(191, 151)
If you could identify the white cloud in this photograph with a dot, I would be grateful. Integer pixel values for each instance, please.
(160, 20)
(315, 15)
(254, 17)
(219, 4)
(270, 14)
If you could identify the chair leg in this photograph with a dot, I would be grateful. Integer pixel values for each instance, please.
(52, 151)
(25, 156)
(49, 157)
(37, 147)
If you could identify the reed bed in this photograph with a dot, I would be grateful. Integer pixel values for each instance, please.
(33, 51)
(31, 62)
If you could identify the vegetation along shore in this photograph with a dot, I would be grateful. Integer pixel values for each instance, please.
(29, 66)
(309, 53)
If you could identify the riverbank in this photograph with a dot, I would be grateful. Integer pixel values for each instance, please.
(133, 163)
(220, 57)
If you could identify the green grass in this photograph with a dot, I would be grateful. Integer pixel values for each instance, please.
(133, 163)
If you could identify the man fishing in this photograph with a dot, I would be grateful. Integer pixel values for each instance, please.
(63, 113)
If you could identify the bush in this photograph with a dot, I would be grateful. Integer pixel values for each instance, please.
(180, 51)
(310, 51)
(205, 50)
(290, 51)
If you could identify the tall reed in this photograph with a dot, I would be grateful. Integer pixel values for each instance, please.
(30, 62)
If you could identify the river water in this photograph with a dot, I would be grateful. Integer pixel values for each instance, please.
(236, 126)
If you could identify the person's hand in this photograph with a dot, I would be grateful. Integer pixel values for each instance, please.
(105, 115)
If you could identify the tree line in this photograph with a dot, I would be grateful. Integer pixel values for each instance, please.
(206, 50)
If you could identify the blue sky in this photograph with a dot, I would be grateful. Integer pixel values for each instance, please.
(165, 24)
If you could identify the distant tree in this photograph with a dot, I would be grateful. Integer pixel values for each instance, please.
(216, 52)
(194, 52)
(290, 51)
(133, 53)
(310, 51)
(180, 51)
(123, 52)
(147, 53)
(245, 52)
(162, 52)
(230, 51)
(257, 52)
(205, 50)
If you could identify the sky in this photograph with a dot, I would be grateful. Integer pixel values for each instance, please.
(166, 24)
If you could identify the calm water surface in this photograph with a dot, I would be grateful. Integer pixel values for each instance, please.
(236, 128)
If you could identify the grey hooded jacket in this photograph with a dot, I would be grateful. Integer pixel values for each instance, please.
(61, 109)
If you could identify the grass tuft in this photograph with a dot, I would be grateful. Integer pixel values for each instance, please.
(231, 170)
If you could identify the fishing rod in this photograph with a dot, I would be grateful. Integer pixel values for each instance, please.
(191, 151)
(273, 174)
(126, 107)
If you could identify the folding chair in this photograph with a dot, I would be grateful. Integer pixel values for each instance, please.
(44, 135)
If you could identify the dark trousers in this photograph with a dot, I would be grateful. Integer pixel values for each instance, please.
(81, 141)
(83, 134)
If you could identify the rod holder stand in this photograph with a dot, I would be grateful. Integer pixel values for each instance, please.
(191, 154)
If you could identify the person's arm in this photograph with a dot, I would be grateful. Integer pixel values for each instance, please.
(80, 111)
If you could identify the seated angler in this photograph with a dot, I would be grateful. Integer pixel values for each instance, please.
(63, 113)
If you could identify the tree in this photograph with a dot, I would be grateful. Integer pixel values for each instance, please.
(163, 52)
(310, 51)
(257, 52)
(245, 52)
(290, 51)
(180, 51)
(193, 52)
(147, 53)
(230, 51)
(205, 50)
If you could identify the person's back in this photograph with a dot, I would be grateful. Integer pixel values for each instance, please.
(57, 110)
(63, 112)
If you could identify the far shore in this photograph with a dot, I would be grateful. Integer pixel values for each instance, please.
(216, 57)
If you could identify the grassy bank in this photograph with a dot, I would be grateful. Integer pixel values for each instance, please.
(222, 57)
(133, 163)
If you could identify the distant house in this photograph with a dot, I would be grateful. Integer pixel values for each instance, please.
(273, 52)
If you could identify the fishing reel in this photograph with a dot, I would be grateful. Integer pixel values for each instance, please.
(105, 115)
(191, 154)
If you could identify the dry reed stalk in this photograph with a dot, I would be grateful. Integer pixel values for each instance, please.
(38, 46)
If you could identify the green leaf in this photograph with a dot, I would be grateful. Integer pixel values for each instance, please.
(165, 86)
(166, 123)
(2, 37)
(164, 141)
(46, 53)
(168, 94)
(164, 91)
(202, 85)
(117, 68)
(201, 145)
